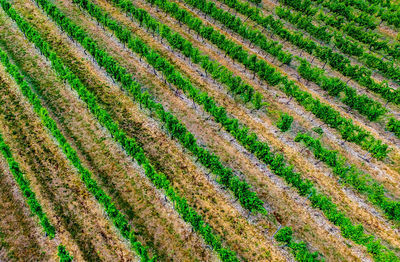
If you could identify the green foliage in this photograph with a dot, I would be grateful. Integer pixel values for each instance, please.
(284, 235)
(285, 122)
(318, 130)
(360, 181)
(115, 215)
(394, 126)
(346, 128)
(22, 182)
(63, 254)
(129, 144)
(299, 249)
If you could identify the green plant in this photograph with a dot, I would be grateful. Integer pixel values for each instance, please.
(284, 122)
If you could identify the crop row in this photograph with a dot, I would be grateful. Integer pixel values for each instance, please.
(18, 174)
(387, 68)
(360, 181)
(347, 129)
(278, 166)
(337, 61)
(118, 219)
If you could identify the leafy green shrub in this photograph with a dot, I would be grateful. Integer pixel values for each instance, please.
(285, 122)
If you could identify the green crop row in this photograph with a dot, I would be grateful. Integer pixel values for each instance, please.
(261, 150)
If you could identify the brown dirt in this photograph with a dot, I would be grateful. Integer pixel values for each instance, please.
(128, 61)
(352, 152)
(80, 223)
(132, 193)
(21, 237)
(215, 208)
(368, 218)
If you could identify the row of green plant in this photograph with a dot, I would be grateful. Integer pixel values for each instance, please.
(26, 190)
(261, 150)
(130, 145)
(285, 235)
(63, 254)
(394, 126)
(344, 9)
(18, 174)
(347, 129)
(225, 176)
(337, 88)
(387, 11)
(248, 199)
(337, 61)
(344, 44)
(352, 176)
(116, 216)
(299, 249)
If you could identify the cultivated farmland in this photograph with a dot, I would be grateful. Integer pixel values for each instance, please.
(199, 130)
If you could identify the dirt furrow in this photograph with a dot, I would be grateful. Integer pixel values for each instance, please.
(347, 197)
(21, 236)
(80, 223)
(278, 103)
(278, 100)
(129, 62)
(215, 206)
(158, 224)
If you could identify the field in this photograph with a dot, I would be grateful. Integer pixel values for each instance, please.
(199, 130)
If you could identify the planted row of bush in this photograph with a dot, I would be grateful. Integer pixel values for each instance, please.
(25, 188)
(130, 145)
(299, 250)
(22, 182)
(261, 150)
(285, 235)
(63, 254)
(117, 217)
(335, 87)
(386, 68)
(337, 61)
(217, 71)
(352, 176)
(225, 175)
(346, 128)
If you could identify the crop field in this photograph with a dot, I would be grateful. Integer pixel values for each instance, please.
(199, 130)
